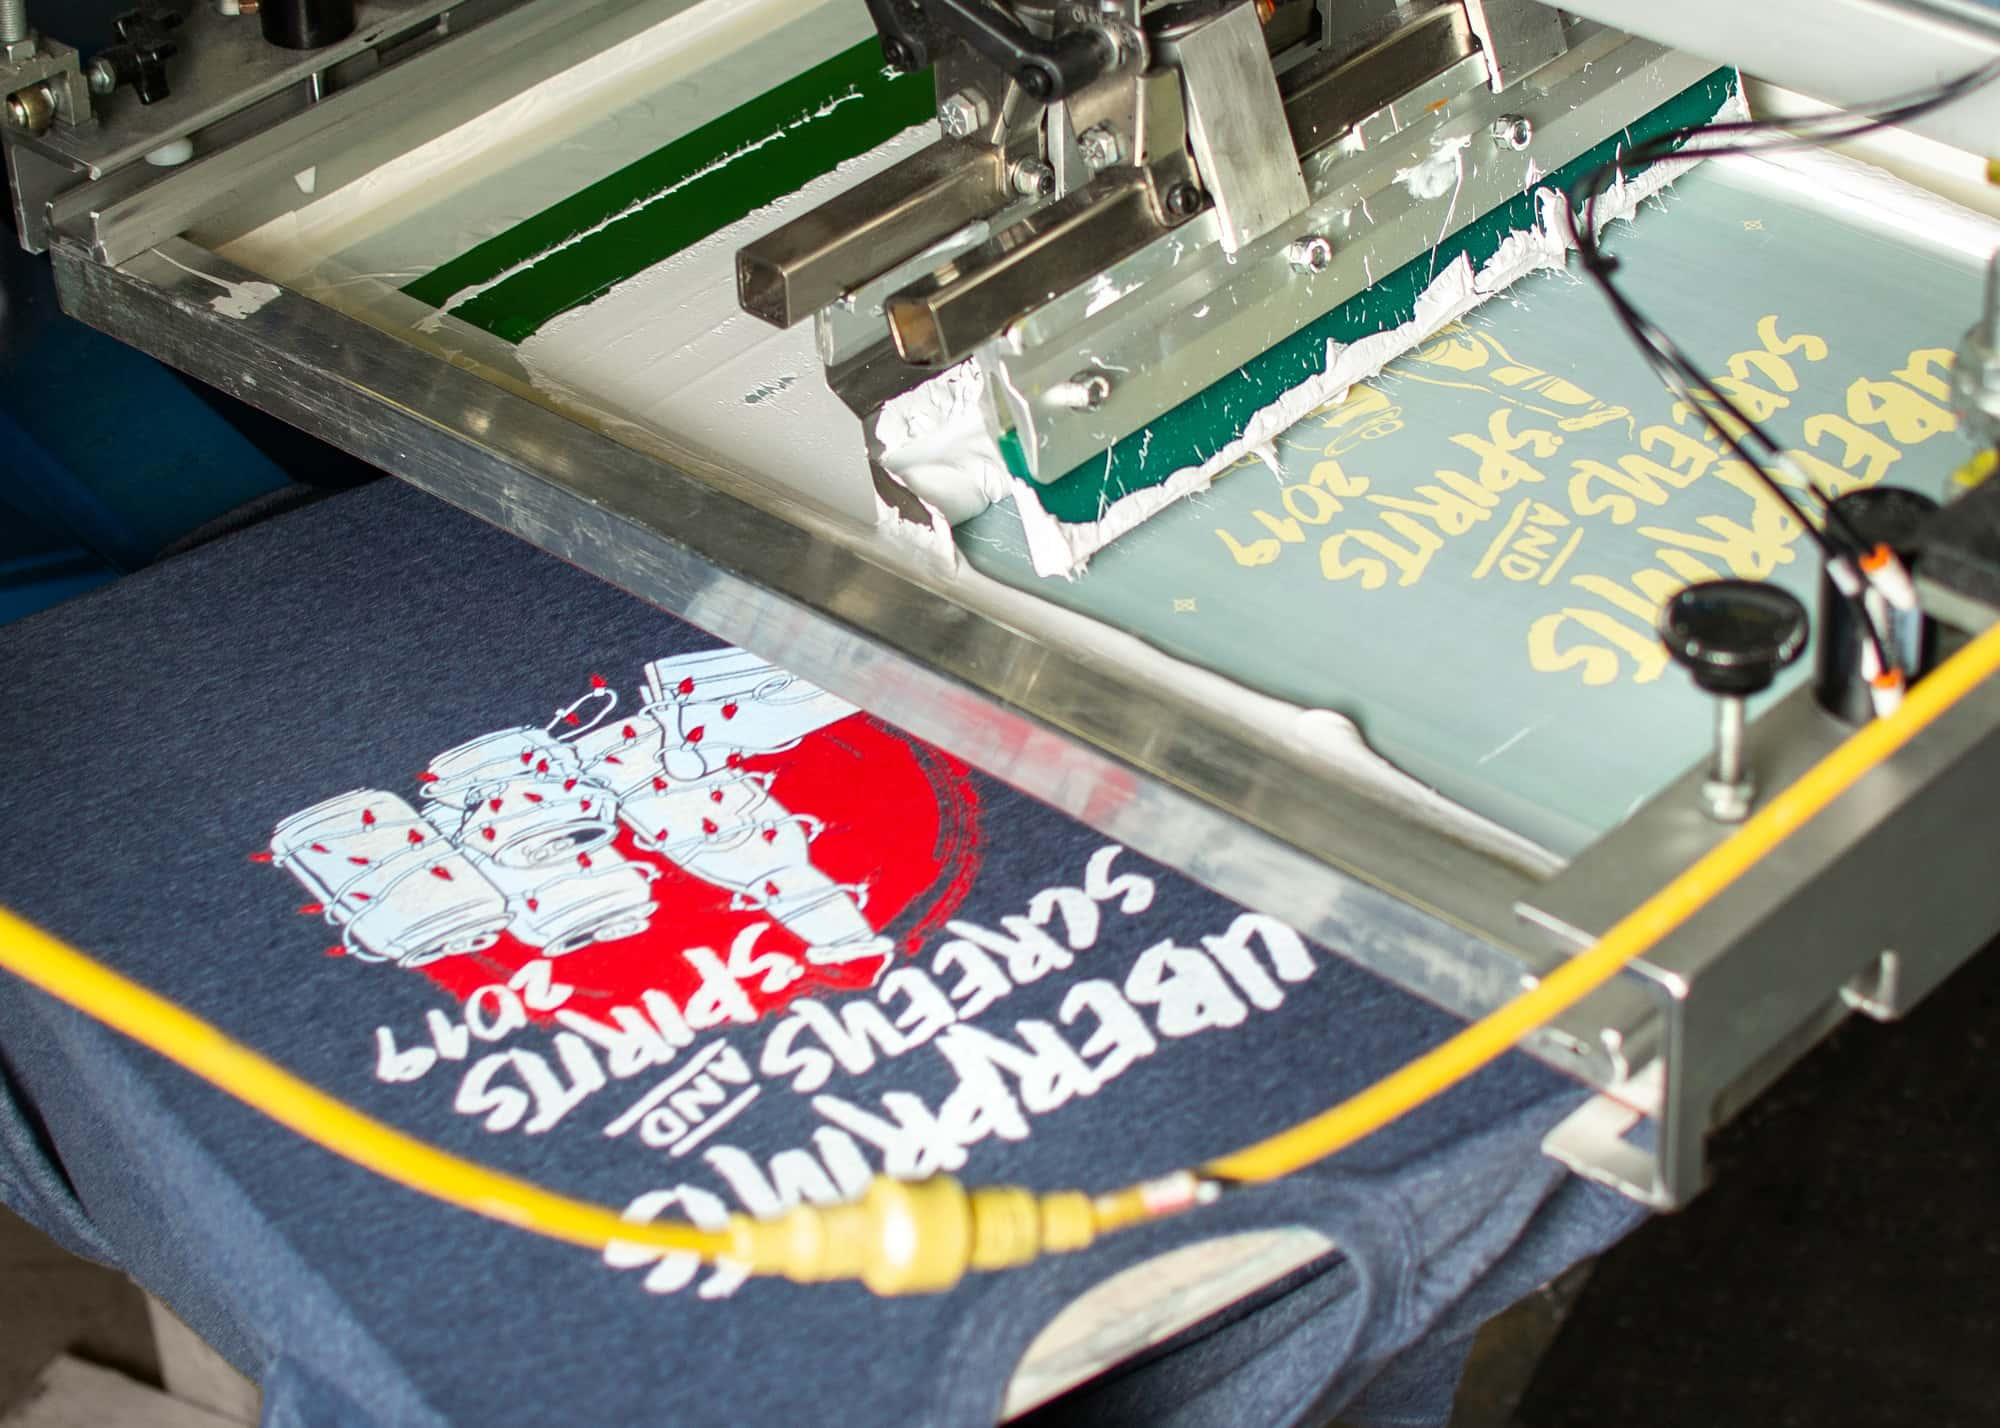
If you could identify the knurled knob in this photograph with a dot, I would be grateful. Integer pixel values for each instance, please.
(1734, 636)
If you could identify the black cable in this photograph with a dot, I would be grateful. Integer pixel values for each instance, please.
(1675, 369)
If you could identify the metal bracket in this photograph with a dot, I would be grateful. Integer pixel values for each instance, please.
(1236, 121)
(1518, 37)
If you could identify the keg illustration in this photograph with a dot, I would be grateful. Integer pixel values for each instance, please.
(738, 701)
(677, 769)
(389, 879)
(519, 798)
(599, 896)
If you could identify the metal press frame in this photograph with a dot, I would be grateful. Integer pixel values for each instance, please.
(1866, 909)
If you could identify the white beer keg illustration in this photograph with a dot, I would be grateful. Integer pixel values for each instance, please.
(738, 701)
(599, 896)
(519, 797)
(389, 879)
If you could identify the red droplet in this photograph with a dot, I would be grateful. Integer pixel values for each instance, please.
(734, 760)
(532, 797)
(534, 903)
(336, 951)
(427, 777)
(771, 888)
(358, 862)
(494, 805)
(487, 832)
(686, 686)
(321, 848)
(729, 711)
(568, 784)
(570, 718)
(362, 897)
(613, 759)
(658, 783)
(311, 909)
(715, 795)
(585, 805)
(694, 734)
(663, 835)
(441, 871)
(709, 825)
(415, 836)
(583, 860)
(542, 766)
(264, 857)
(629, 732)
(770, 835)
(527, 756)
(597, 681)
(367, 818)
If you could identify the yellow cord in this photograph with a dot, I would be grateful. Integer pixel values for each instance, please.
(1636, 934)
(177, 1034)
(914, 1238)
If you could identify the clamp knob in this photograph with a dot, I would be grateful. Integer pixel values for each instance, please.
(141, 54)
(1733, 637)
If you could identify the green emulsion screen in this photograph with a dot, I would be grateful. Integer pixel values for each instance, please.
(571, 253)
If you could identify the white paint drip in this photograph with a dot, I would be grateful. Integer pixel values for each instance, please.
(934, 439)
(238, 300)
(1440, 172)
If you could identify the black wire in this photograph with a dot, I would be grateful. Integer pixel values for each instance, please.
(1675, 369)
(1774, 135)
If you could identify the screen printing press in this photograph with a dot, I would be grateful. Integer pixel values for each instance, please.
(1190, 415)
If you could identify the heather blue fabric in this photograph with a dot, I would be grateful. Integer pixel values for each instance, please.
(161, 729)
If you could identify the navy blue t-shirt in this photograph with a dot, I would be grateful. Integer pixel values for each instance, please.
(563, 884)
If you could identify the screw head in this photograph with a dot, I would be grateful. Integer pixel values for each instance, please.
(1183, 201)
(963, 114)
(1085, 392)
(1100, 147)
(1312, 254)
(102, 76)
(898, 56)
(1034, 179)
(1513, 131)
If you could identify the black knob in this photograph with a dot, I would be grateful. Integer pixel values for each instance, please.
(1734, 636)
(144, 46)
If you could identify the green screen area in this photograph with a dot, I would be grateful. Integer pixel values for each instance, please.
(571, 253)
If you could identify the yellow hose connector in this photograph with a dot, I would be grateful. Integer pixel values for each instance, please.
(914, 1236)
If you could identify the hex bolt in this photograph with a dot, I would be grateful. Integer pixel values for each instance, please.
(1085, 392)
(963, 114)
(1100, 147)
(1312, 254)
(1183, 201)
(1513, 131)
(1034, 179)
